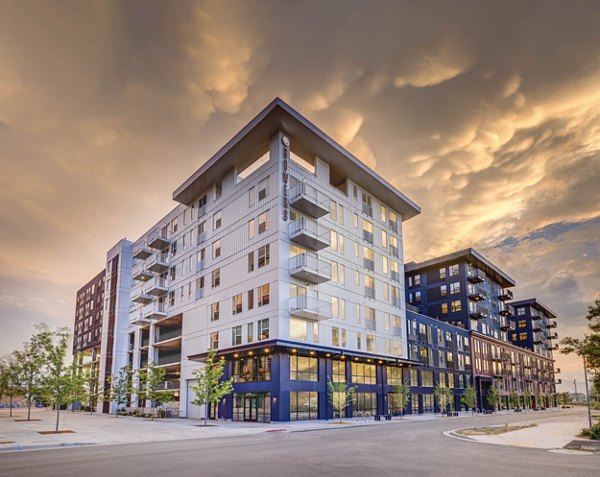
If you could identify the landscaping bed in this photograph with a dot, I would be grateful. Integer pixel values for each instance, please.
(493, 430)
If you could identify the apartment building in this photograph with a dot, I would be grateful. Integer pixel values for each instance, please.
(443, 352)
(534, 327)
(284, 254)
(462, 288)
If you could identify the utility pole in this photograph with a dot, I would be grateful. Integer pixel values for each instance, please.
(587, 392)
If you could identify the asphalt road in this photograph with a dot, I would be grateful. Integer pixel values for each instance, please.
(397, 449)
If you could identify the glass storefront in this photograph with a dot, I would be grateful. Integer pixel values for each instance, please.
(304, 405)
(364, 402)
(255, 407)
(252, 369)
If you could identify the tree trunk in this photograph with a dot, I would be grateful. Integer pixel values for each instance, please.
(57, 416)
(10, 404)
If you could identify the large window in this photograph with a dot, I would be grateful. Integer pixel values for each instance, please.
(247, 370)
(304, 405)
(262, 329)
(304, 368)
(264, 256)
(339, 371)
(394, 375)
(263, 295)
(236, 335)
(428, 403)
(365, 402)
(363, 373)
(236, 304)
(214, 311)
(427, 378)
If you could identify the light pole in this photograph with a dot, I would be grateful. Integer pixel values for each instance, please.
(587, 393)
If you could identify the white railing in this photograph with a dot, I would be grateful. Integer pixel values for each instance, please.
(311, 263)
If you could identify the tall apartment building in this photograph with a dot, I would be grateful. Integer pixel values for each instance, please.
(534, 327)
(462, 288)
(284, 254)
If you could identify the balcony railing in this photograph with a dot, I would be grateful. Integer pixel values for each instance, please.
(393, 225)
(310, 307)
(158, 263)
(142, 252)
(394, 251)
(158, 239)
(476, 293)
(395, 276)
(477, 312)
(309, 200)
(551, 324)
(505, 294)
(199, 265)
(310, 267)
(368, 236)
(201, 238)
(143, 298)
(396, 301)
(309, 233)
(553, 336)
(507, 310)
(141, 274)
(370, 325)
(199, 293)
(155, 312)
(476, 276)
(168, 359)
(367, 209)
(369, 264)
(168, 335)
(157, 286)
(370, 292)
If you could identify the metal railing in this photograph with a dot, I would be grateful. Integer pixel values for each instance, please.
(311, 262)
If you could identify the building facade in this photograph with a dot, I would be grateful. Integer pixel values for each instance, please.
(464, 289)
(534, 327)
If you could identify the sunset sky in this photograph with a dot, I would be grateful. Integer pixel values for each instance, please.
(487, 114)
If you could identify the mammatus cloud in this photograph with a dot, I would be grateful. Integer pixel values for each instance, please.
(487, 115)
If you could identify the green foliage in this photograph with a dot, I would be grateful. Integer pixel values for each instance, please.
(401, 391)
(340, 396)
(121, 387)
(589, 346)
(209, 389)
(493, 395)
(513, 399)
(468, 397)
(443, 396)
(150, 382)
(592, 432)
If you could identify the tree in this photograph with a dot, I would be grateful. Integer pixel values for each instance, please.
(513, 399)
(401, 392)
(9, 380)
(209, 387)
(528, 397)
(90, 386)
(77, 392)
(340, 396)
(57, 379)
(493, 395)
(121, 388)
(468, 397)
(150, 379)
(443, 396)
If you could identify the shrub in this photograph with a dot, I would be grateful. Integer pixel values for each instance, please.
(592, 432)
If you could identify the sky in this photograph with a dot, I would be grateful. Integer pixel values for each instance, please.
(484, 113)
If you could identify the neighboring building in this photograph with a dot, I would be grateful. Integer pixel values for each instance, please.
(462, 288)
(285, 255)
(444, 353)
(534, 327)
(511, 369)
(87, 331)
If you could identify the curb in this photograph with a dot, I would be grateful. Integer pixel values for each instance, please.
(28, 447)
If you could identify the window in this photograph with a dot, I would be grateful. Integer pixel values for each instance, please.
(394, 375)
(384, 239)
(444, 290)
(454, 288)
(453, 270)
(173, 273)
(214, 340)
(304, 368)
(216, 278)
(236, 335)
(247, 370)
(201, 203)
(334, 272)
(304, 405)
(417, 280)
(371, 343)
(342, 309)
(217, 249)
(384, 265)
(383, 214)
(214, 311)
(333, 241)
(442, 273)
(343, 338)
(250, 299)
(335, 337)
(427, 378)
(335, 309)
(456, 306)
(218, 190)
(263, 295)
(363, 373)
(368, 231)
(333, 210)
(263, 222)
(418, 297)
(174, 248)
(521, 311)
(262, 329)
(236, 305)
(357, 313)
(263, 189)
(251, 196)
(355, 221)
(250, 262)
(171, 298)
(444, 308)
(251, 228)
(338, 374)
(217, 220)
(341, 214)
(298, 329)
(250, 333)
(341, 244)
(264, 256)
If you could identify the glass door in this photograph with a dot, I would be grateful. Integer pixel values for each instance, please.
(250, 408)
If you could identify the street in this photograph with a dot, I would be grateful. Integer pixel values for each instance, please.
(402, 448)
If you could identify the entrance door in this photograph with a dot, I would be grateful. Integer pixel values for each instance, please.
(250, 408)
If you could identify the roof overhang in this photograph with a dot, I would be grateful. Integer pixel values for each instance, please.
(535, 303)
(307, 141)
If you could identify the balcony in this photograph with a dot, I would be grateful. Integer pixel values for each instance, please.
(369, 264)
(201, 238)
(476, 276)
(538, 339)
(553, 336)
(158, 240)
(172, 385)
(309, 267)
(554, 347)
(309, 233)
(551, 324)
(142, 253)
(557, 371)
(367, 209)
(396, 301)
(199, 266)
(504, 325)
(310, 307)
(536, 326)
(370, 292)
(394, 251)
(506, 310)
(393, 225)
(139, 319)
(505, 294)
(142, 275)
(476, 293)
(370, 325)
(395, 276)
(199, 293)
(167, 336)
(309, 200)
(477, 312)
(158, 263)
(155, 312)
(168, 359)
(143, 298)
(157, 287)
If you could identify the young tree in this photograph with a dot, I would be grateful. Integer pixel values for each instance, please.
(57, 379)
(121, 388)
(401, 392)
(340, 396)
(209, 387)
(528, 397)
(77, 392)
(443, 396)
(150, 379)
(468, 398)
(493, 395)
(9, 381)
(513, 399)
(90, 386)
